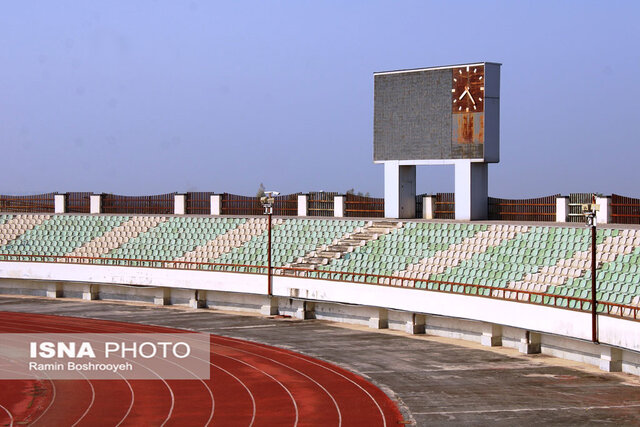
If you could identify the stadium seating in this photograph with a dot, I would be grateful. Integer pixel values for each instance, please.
(535, 258)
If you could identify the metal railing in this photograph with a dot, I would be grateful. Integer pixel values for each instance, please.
(321, 203)
(445, 206)
(158, 204)
(538, 209)
(78, 202)
(198, 202)
(33, 203)
(625, 210)
(576, 200)
(485, 291)
(363, 206)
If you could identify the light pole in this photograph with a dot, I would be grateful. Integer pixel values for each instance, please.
(590, 210)
(267, 202)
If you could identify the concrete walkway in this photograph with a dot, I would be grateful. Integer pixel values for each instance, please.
(434, 380)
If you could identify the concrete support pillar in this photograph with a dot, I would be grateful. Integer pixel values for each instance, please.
(379, 319)
(529, 343)
(428, 207)
(415, 324)
(610, 359)
(162, 296)
(216, 204)
(304, 310)
(95, 204)
(302, 204)
(338, 206)
(399, 190)
(562, 209)
(90, 292)
(198, 299)
(54, 290)
(604, 214)
(491, 335)
(60, 205)
(179, 204)
(472, 190)
(269, 306)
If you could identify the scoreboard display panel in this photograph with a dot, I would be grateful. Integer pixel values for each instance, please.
(439, 113)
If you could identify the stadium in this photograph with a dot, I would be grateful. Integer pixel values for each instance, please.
(155, 287)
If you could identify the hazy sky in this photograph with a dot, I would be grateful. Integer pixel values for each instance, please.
(145, 97)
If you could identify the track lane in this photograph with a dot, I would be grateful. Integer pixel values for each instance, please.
(263, 377)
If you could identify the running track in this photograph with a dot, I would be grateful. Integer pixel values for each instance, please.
(251, 384)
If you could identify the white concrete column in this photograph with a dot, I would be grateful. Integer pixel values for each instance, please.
(198, 299)
(270, 306)
(95, 203)
(604, 214)
(471, 189)
(428, 207)
(562, 209)
(415, 324)
(90, 292)
(302, 204)
(162, 296)
(338, 206)
(54, 290)
(179, 204)
(610, 359)
(399, 190)
(216, 204)
(379, 318)
(491, 335)
(529, 343)
(59, 203)
(303, 309)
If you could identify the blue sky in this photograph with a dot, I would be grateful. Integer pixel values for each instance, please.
(146, 97)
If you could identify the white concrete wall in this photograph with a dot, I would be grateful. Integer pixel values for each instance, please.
(216, 204)
(565, 333)
(338, 206)
(179, 204)
(603, 216)
(95, 204)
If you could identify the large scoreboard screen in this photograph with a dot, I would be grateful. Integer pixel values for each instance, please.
(439, 113)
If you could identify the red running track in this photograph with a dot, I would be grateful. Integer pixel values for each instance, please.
(251, 384)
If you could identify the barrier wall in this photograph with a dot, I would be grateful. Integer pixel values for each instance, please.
(530, 328)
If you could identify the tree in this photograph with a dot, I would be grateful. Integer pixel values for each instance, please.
(260, 190)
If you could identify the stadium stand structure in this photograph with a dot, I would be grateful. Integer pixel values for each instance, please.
(548, 265)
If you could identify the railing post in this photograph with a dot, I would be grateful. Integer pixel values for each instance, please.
(216, 204)
(562, 209)
(604, 214)
(95, 203)
(338, 206)
(302, 204)
(60, 205)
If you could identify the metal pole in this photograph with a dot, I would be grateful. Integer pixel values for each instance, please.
(269, 256)
(594, 302)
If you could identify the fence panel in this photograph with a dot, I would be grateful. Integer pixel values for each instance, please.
(199, 202)
(320, 203)
(78, 202)
(363, 206)
(625, 210)
(35, 203)
(158, 204)
(286, 205)
(445, 206)
(539, 209)
(233, 204)
(575, 205)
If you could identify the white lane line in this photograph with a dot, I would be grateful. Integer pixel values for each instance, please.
(295, 370)
(563, 408)
(295, 405)
(276, 350)
(59, 328)
(130, 404)
(253, 401)
(10, 416)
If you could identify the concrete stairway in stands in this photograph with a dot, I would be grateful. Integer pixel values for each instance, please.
(323, 255)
